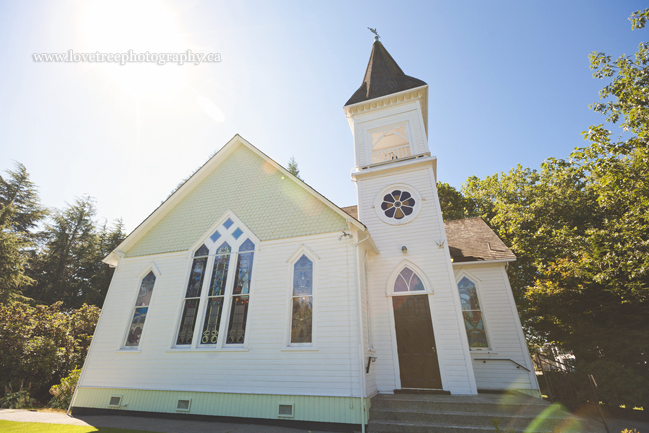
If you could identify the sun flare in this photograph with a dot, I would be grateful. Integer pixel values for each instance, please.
(141, 26)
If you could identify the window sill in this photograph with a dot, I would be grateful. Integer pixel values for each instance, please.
(299, 349)
(128, 351)
(482, 352)
(207, 350)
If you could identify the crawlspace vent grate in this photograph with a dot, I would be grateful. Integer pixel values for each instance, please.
(183, 405)
(285, 410)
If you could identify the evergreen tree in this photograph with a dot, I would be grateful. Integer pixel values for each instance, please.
(20, 212)
(20, 208)
(68, 263)
(293, 169)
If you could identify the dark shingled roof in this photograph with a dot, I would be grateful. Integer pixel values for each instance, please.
(351, 210)
(469, 240)
(382, 77)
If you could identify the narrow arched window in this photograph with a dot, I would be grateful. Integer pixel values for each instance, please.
(408, 281)
(140, 310)
(193, 296)
(473, 320)
(216, 295)
(302, 301)
(241, 292)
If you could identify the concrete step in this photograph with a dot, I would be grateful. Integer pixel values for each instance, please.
(494, 407)
(470, 419)
(420, 427)
(413, 413)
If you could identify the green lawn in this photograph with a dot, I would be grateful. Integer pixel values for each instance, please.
(40, 427)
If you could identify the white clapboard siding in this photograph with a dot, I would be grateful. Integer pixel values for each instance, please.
(504, 334)
(420, 237)
(332, 370)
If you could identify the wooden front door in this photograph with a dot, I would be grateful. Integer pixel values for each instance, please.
(418, 364)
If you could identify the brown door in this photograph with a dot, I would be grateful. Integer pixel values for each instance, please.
(418, 363)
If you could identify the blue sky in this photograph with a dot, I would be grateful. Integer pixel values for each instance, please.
(509, 83)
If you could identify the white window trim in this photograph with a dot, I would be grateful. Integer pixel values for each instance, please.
(151, 267)
(315, 259)
(477, 281)
(378, 200)
(389, 290)
(405, 121)
(220, 345)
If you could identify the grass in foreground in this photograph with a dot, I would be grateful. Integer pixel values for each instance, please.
(40, 427)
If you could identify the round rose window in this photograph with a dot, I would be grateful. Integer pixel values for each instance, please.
(398, 204)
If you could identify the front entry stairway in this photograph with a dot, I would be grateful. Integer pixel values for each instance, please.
(419, 413)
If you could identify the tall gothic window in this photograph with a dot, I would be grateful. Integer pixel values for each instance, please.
(193, 296)
(302, 301)
(218, 291)
(216, 295)
(473, 320)
(140, 310)
(241, 294)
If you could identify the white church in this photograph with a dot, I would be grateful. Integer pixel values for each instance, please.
(247, 294)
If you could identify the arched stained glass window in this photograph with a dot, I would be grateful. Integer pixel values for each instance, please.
(473, 320)
(216, 295)
(193, 296)
(248, 245)
(408, 281)
(140, 311)
(241, 294)
(302, 306)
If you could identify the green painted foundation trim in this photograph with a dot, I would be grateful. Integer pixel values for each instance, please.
(344, 410)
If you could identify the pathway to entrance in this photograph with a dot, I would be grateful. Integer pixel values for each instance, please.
(161, 425)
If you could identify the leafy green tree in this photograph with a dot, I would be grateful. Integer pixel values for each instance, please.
(454, 204)
(580, 229)
(293, 169)
(42, 344)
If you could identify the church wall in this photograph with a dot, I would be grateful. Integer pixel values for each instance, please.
(504, 333)
(267, 365)
(419, 236)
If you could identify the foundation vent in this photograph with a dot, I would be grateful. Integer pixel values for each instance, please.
(183, 405)
(285, 410)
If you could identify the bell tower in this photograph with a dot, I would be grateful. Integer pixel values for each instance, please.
(396, 184)
(388, 114)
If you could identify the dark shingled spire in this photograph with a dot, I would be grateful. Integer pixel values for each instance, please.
(382, 77)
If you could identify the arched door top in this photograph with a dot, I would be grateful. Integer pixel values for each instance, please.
(408, 279)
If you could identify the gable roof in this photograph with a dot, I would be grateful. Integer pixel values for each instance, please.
(383, 76)
(469, 240)
(200, 189)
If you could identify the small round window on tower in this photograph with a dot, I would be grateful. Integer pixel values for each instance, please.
(398, 204)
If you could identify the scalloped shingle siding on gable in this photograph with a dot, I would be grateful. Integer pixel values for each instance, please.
(272, 207)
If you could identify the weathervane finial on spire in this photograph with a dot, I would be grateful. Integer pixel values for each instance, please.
(376, 37)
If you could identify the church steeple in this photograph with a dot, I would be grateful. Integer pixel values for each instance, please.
(383, 76)
(388, 114)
